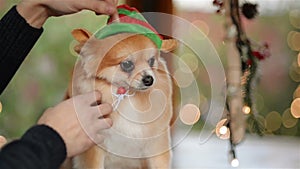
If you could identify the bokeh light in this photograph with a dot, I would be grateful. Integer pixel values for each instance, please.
(295, 18)
(288, 120)
(202, 26)
(273, 121)
(189, 114)
(293, 40)
(295, 108)
(294, 75)
(246, 109)
(235, 162)
(183, 79)
(222, 131)
(0, 107)
(190, 63)
(295, 67)
(297, 92)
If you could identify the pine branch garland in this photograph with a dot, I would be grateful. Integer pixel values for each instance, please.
(249, 67)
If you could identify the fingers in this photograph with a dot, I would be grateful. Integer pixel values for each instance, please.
(94, 99)
(104, 109)
(115, 15)
(92, 114)
(112, 2)
(100, 125)
(3, 141)
(101, 7)
(91, 98)
(105, 123)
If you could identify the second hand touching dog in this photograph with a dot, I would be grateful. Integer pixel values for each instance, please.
(122, 60)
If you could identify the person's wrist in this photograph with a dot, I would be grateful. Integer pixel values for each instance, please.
(33, 12)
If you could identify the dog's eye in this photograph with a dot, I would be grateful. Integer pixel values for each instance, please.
(151, 61)
(127, 66)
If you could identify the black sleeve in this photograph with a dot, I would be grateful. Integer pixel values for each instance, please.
(40, 148)
(17, 38)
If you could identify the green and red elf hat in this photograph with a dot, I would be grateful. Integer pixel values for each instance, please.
(130, 21)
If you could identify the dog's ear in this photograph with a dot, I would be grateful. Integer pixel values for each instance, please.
(168, 45)
(81, 35)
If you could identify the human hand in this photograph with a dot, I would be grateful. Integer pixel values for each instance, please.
(78, 121)
(36, 12)
(3, 141)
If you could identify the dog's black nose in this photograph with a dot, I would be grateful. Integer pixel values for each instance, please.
(147, 80)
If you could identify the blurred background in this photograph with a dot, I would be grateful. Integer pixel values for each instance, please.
(43, 77)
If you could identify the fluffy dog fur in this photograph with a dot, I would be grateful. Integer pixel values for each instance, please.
(140, 135)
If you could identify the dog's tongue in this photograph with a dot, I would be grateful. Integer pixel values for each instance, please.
(121, 90)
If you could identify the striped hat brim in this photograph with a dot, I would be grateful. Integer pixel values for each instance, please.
(131, 21)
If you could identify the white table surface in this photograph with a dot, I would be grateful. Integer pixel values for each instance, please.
(253, 152)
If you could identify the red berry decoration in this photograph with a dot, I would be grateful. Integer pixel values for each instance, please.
(249, 62)
(121, 90)
(262, 52)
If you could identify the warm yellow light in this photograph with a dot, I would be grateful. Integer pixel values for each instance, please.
(189, 114)
(0, 107)
(273, 121)
(223, 130)
(294, 18)
(202, 25)
(183, 79)
(297, 92)
(246, 109)
(235, 162)
(189, 62)
(295, 108)
(221, 123)
(294, 75)
(293, 40)
(288, 120)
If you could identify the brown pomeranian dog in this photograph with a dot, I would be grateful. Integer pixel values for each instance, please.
(129, 72)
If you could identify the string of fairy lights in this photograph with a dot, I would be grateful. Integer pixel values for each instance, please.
(250, 54)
